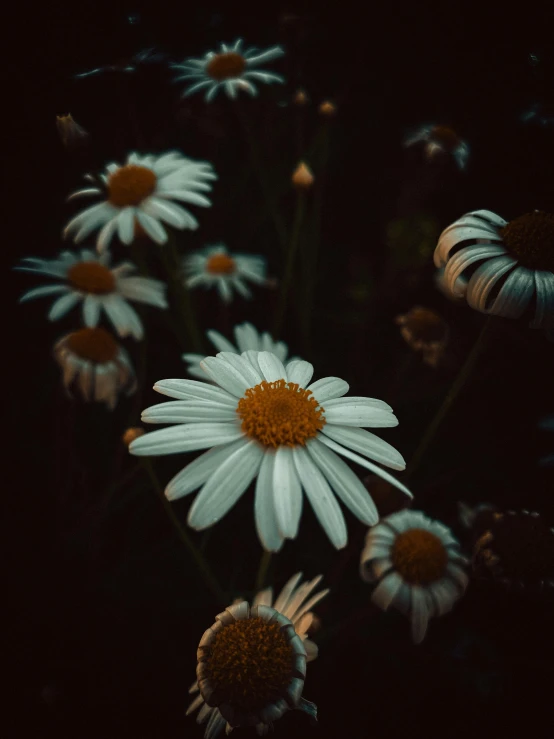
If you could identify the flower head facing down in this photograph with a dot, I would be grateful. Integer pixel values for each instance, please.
(501, 268)
(263, 421)
(142, 193)
(230, 69)
(215, 267)
(439, 140)
(88, 278)
(417, 566)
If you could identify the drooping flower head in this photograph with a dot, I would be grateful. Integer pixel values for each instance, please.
(215, 267)
(440, 140)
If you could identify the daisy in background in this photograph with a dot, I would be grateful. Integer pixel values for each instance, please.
(426, 332)
(142, 193)
(417, 565)
(440, 140)
(501, 267)
(266, 422)
(215, 267)
(230, 69)
(93, 361)
(88, 278)
(246, 337)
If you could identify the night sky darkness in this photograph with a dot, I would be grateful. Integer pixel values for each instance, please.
(105, 611)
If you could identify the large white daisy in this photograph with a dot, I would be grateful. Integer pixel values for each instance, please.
(267, 421)
(417, 565)
(501, 268)
(215, 267)
(141, 193)
(88, 278)
(230, 69)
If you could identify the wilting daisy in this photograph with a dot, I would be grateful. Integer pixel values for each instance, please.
(93, 361)
(424, 331)
(142, 193)
(230, 69)
(251, 670)
(215, 267)
(440, 140)
(246, 337)
(88, 278)
(266, 422)
(417, 565)
(508, 266)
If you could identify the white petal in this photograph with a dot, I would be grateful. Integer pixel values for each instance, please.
(91, 311)
(515, 294)
(272, 367)
(194, 390)
(544, 315)
(225, 375)
(38, 292)
(483, 280)
(465, 258)
(328, 388)
(243, 367)
(63, 305)
(126, 225)
(366, 443)
(189, 411)
(264, 509)
(299, 372)
(220, 342)
(287, 492)
(386, 591)
(184, 438)
(153, 227)
(358, 412)
(284, 596)
(420, 613)
(247, 338)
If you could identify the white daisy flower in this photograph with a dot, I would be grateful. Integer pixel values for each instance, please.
(88, 277)
(417, 565)
(141, 193)
(100, 368)
(265, 421)
(246, 337)
(440, 140)
(502, 268)
(251, 670)
(215, 267)
(230, 69)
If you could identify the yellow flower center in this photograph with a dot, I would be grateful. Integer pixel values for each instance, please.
(419, 556)
(250, 663)
(220, 264)
(226, 66)
(91, 277)
(530, 238)
(93, 344)
(130, 185)
(445, 136)
(425, 325)
(280, 414)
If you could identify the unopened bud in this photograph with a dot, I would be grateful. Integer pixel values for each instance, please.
(302, 177)
(71, 133)
(327, 109)
(131, 434)
(300, 98)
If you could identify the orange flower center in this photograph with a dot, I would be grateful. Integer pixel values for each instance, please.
(226, 66)
(445, 136)
(93, 344)
(91, 277)
(250, 663)
(530, 238)
(425, 325)
(130, 185)
(419, 556)
(220, 264)
(280, 414)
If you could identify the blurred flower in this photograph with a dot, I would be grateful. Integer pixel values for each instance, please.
(516, 550)
(522, 248)
(541, 114)
(131, 434)
(300, 98)
(476, 518)
(98, 365)
(251, 670)
(327, 109)
(246, 337)
(88, 278)
(426, 332)
(215, 267)
(128, 65)
(72, 135)
(142, 191)
(265, 422)
(230, 69)
(302, 177)
(440, 140)
(418, 566)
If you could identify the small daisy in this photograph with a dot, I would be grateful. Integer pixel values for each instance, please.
(215, 267)
(266, 422)
(94, 361)
(424, 331)
(142, 193)
(504, 267)
(246, 337)
(87, 277)
(418, 566)
(230, 69)
(440, 140)
(251, 670)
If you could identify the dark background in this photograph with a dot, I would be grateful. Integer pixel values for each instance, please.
(105, 611)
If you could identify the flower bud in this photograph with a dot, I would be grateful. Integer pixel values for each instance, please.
(72, 135)
(302, 177)
(131, 434)
(327, 109)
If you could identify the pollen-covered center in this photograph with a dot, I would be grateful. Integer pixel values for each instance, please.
(280, 414)
(130, 185)
(530, 238)
(446, 136)
(419, 556)
(94, 344)
(425, 325)
(250, 663)
(91, 277)
(220, 264)
(226, 66)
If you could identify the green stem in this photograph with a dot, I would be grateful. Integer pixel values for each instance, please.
(262, 571)
(289, 267)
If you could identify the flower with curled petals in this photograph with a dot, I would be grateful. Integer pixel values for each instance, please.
(439, 140)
